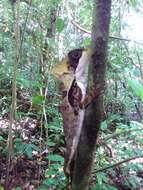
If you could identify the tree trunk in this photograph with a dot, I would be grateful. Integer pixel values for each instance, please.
(94, 112)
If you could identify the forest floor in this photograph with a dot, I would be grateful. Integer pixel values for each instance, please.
(30, 161)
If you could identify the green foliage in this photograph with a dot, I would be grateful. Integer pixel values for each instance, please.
(2, 139)
(17, 188)
(22, 82)
(55, 178)
(56, 158)
(1, 187)
(86, 42)
(25, 148)
(102, 183)
(136, 87)
(133, 3)
(59, 24)
(37, 96)
(37, 100)
(127, 136)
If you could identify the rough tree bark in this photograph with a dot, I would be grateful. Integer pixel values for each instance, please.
(94, 112)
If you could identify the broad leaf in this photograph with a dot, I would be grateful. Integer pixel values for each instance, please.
(55, 157)
(136, 87)
(60, 24)
(37, 99)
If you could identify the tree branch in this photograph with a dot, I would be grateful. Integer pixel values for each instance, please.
(75, 23)
(117, 164)
(114, 135)
(110, 37)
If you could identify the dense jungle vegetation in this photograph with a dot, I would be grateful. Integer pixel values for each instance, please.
(34, 36)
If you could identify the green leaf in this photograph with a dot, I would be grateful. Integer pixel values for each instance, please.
(55, 157)
(104, 125)
(19, 145)
(140, 141)
(99, 178)
(17, 140)
(55, 128)
(133, 183)
(97, 187)
(37, 99)
(86, 42)
(54, 2)
(49, 181)
(51, 42)
(17, 188)
(133, 3)
(22, 81)
(112, 187)
(1, 139)
(28, 152)
(29, 148)
(136, 87)
(56, 166)
(1, 187)
(135, 124)
(51, 144)
(60, 24)
(51, 172)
